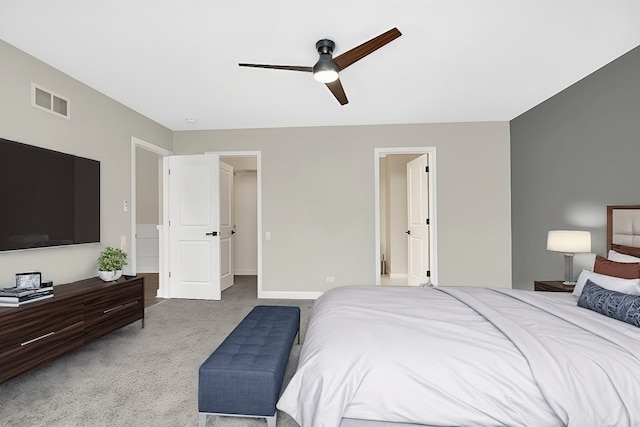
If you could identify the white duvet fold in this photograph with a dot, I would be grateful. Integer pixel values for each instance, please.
(463, 356)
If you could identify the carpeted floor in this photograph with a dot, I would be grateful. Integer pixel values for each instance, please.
(140, 376)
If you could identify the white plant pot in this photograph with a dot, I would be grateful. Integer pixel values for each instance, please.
(109, 276)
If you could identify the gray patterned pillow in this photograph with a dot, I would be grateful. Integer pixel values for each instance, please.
(613, 304)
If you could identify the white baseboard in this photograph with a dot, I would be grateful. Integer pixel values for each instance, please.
(398, 275)
(245, 273)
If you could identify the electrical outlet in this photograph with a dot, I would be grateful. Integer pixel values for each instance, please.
(125, 206)
(330, 279)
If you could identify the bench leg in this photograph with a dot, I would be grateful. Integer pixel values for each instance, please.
(202, 419)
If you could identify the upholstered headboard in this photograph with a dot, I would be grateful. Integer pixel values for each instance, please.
(623, 229)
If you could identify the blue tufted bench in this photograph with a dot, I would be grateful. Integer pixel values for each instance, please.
(244, 375)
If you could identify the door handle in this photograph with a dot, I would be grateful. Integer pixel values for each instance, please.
(408, 231)
(233, 231)
(213, 233)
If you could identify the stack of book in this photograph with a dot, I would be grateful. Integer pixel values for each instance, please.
(15, 297)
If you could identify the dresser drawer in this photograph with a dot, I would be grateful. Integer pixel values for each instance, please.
(113, 318)
(108, 310)
(28, 354)
(105, 299)
(34, 320)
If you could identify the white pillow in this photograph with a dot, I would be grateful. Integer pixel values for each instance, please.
(618, 257)
(626, 286)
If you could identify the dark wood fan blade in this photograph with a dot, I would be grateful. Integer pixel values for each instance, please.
(359, 52)
(280, 67)
(337, 91)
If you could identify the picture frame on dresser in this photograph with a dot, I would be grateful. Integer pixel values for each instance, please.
(28, 280)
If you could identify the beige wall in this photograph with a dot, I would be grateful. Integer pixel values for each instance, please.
(147, 187)
(100, 128)
(318, 199)
(245, 215)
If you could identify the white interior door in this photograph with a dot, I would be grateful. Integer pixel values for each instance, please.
(226, 226)
(194, 221)
(418, 220)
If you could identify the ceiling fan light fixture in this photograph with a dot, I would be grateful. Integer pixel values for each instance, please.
(325, 76)
(325, 70)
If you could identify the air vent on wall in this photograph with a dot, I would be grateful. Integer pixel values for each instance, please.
(47, 100)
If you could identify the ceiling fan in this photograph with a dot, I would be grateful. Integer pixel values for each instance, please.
(327, 68)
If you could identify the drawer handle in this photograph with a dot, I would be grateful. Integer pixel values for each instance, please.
(37, 339)
(111, 309)
(119, 307)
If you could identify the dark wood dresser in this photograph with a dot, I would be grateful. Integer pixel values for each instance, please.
(78, 313)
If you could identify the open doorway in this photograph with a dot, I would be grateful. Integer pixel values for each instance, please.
(199, 243)
(403, 214)
(244, 225)
(147, 218)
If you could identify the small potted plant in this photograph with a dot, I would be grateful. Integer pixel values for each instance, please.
(110, 264)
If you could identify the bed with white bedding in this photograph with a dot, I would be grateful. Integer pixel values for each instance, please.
(462, 357)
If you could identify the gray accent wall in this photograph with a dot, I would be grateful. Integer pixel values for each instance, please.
(571, 156)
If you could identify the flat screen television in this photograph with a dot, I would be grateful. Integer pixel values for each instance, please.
(48, 198)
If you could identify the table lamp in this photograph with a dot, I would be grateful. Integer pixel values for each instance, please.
(569, 242)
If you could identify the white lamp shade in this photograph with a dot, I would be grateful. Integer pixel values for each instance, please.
(569, 241)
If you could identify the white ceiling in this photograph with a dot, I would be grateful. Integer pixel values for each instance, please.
(457, 60)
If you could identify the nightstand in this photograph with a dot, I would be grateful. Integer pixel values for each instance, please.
(552, 286)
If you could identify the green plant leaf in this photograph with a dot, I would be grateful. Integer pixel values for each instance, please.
(112, 259)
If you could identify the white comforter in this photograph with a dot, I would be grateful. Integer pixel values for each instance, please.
(464, 357)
